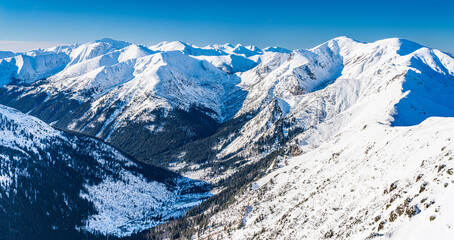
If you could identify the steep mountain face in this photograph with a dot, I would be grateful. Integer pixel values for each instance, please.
(295, 93)
(56, 185)
(357, 139)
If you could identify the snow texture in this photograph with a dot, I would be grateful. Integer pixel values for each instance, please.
(376, 144)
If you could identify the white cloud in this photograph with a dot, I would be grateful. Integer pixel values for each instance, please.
(22, 46)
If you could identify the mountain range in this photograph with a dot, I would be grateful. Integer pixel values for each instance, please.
(347, 140)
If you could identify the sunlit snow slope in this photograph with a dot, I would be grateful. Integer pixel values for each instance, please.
(375, 145)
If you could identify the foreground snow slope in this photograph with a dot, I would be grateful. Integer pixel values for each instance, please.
(61, 185)
(374, 180)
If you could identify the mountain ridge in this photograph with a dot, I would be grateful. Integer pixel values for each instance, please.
(364, 155)
(239, 116)
(108, 88)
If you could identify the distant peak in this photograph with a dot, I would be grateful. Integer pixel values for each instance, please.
(170, 46)
(113, 42)
(344, 38)
(6, 54)
(180, 42)
(403, 46)
(341, 41)
(394, 42)
(277, 50)
(254, 48)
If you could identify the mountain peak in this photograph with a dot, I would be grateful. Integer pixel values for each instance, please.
(277, 50)
(115, 43)
(229, 45)
(343, 40)
(403, 46)
(6, 54)
(170, 46)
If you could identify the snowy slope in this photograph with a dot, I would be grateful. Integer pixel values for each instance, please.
(73, 184)
(375, 146)
(342, 74)
(134, 97)
(114, 84)
(393, 182)
(30, 68)
(173, 78)
(370, 121)
(227, 57)
(110, 88)
(118, 70)
(113, 69)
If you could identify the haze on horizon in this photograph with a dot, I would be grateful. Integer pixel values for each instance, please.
(27, 24)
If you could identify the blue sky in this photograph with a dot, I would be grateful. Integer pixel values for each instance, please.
(291, 24)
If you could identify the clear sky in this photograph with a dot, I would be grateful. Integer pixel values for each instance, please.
(290, 24)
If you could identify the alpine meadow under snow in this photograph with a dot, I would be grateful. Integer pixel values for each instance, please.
(347, 140)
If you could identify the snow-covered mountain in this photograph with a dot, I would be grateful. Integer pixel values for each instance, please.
(57, 185)
(316, 129)
(104, 87)
(6, 54)
(368, 182)
(173, 93)
(360, 134)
